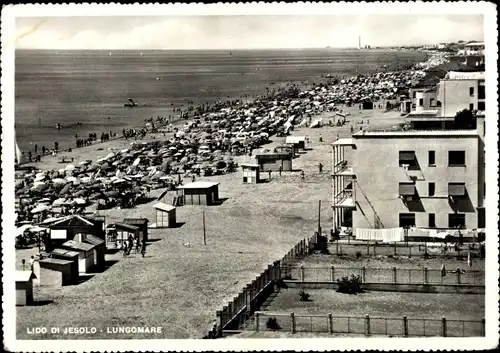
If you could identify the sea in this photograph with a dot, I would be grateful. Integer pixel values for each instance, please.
(85, 91)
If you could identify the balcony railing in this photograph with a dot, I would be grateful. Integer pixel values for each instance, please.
(344, 195)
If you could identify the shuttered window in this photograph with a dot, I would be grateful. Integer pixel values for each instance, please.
(406, 189)
(456, 189)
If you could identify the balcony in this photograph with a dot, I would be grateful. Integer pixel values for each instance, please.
(343, 168)
(344, 199)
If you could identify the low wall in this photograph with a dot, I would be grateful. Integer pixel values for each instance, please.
(395, 287)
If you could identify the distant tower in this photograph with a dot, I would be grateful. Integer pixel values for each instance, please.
(359, 42)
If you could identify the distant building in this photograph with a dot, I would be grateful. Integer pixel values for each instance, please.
(474, 48)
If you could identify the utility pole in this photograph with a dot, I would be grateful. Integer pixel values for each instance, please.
(204, 232)
(319, 218)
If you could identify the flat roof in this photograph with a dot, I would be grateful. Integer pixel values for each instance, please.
(458, 75)
(164, 207)
(128, 227)
(65, 252)
(250, 165)
(140, 221)
(24, 276)
(50, 260)
(93, 240)
(416, 133)
(424, 112)
(78, 245)
(199, 185)
(344, 142)
(473, 44)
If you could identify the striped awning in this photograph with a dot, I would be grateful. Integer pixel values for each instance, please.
(407, 155)
(456, 189)
(406, 189)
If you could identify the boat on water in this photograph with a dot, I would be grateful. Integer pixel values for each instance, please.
(130, 104)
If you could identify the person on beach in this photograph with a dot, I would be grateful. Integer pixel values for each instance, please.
(32, 263)
(302, 175)
(320, 167)
(280, 170)
(135, 243)
(269, 175)
(143, 249)
(36, 148)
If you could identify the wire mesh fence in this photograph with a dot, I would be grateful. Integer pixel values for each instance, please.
(385, 275)
(404, 249)
(368, 326)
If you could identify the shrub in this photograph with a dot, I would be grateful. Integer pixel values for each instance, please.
(304, 297)
(349, 285)
(272, 324)
(358, 254)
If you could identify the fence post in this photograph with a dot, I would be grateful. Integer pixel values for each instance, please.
(337, 246)
(409, 248)
(270, 273)
(363, 274)
(405, 326)
(332, 273)
(483, 327)
(368, 248)
(257, 321)
(225, 314)
(426, 278)
(248, 293)
(219, 323)
(302, 273)
(443, 327)
(394, 274)
(395, 249)
(375, 249)
(330, 323)
(367, 325)
(292, 315)
(458, 276)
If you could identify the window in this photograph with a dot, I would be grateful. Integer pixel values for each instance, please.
(456, 220)
(407, 219)
(481, 92)
(408, 158)
(438, 103)
(414, 94)
(456, 158)
(471, 106)
(432, 189)
(413, 105)
(407, 191)
(421, 102)
(481, 106)
(432, 157)
(431, 103)
(432, 220)
(456, 189)
(471, 91)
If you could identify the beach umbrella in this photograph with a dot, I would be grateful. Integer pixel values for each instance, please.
(65, 189)
(40, 208)
(59, 202)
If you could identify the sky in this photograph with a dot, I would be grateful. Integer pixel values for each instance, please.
(243, 32)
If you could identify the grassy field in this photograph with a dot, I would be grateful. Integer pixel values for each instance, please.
(311, 316)
(180, 287)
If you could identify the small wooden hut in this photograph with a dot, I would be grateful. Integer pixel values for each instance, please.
(165, 215)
